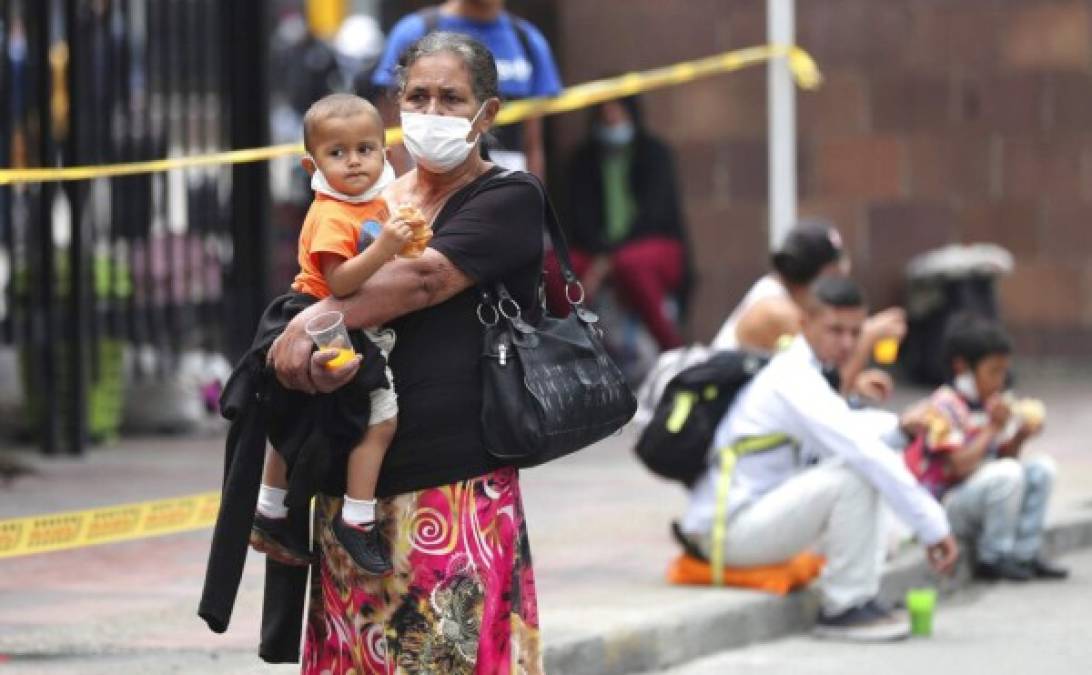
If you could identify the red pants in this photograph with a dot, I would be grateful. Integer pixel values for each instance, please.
(644, 272)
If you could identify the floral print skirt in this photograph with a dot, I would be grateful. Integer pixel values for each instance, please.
(461, 598)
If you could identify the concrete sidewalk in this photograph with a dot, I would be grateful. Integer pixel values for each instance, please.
(599, 533)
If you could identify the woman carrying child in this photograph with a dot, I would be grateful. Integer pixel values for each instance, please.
(461, 598)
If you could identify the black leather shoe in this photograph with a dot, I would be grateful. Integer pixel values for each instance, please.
(273, 537)
(365, 546)
(1043, 569)
(1008, 570)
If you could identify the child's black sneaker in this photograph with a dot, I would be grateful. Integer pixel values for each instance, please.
(1002, 570)
(273, 537)
(1044, 569)
(365, 546)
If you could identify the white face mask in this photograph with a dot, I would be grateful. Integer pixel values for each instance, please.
(322, 186)
(438, 143)
(617, 135)
(965, 385)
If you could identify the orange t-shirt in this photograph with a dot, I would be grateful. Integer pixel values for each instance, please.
(337, 227)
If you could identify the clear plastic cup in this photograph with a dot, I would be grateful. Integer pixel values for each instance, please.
(327, 330)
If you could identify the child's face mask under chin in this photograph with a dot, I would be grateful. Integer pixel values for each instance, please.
(966, 386)
(321, 185)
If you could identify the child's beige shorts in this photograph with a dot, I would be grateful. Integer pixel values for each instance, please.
(384, 401)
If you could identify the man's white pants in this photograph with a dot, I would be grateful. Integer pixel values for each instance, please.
(829, 503)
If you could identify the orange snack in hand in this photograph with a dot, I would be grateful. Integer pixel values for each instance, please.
(422, 233)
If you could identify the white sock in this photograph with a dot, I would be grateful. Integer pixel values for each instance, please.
(358, 511)
(271, 502)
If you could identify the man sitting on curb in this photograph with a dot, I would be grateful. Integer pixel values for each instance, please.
(760, 504)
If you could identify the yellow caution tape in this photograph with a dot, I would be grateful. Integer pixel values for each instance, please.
(8, 176)
(584, 95)
(803, 68)
(76, 529)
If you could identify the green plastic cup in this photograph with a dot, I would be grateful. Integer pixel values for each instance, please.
(921, 602)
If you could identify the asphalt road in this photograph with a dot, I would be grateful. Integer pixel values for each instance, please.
(1041, 628)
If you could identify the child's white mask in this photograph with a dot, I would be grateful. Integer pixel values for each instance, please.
(322, 186)
(964, 384)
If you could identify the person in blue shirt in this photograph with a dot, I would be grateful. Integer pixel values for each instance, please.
(525, 67)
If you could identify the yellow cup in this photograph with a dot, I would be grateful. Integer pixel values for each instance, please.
(885, 351)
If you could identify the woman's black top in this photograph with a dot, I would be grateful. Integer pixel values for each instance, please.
(492, 231)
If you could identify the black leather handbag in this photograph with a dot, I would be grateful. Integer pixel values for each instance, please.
(550, 388)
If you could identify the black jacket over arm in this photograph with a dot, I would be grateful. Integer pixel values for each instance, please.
(315, 435)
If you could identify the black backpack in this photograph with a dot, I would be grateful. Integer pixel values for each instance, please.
(675, 443)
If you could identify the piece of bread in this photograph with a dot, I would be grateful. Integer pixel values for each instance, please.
(422, 232)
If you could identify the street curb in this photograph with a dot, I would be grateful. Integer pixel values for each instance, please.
(669, 639)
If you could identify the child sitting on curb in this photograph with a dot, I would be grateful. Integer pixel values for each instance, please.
(969, 455)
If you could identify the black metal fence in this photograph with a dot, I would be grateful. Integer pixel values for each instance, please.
(165, 261)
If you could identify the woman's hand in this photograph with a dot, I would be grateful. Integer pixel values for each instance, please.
(290, 355)
(890, 323)
(326, 380)
(297, 367)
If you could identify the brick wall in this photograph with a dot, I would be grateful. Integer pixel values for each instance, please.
(940, 121)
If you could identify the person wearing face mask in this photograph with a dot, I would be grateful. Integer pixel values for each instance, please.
(462, 595)
(625, 220)
(347, 236)
(525, 68)
(968, 452)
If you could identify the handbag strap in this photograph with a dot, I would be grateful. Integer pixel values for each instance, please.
(500, 294)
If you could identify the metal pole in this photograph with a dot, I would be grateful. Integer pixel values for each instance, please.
(781, 99)
(44, 330)
(76, 298)
(7, 224)
(246, 81)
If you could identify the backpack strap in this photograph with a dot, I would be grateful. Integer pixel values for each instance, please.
(728, 457)
(524, 39)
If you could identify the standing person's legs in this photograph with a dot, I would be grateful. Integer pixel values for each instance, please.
(1038, 483)
(830, 500)
(556, 301)
(986, 507)
(647, 270)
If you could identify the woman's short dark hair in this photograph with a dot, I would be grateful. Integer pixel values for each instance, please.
(808, 248)
(476, 57)
(972, 338)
